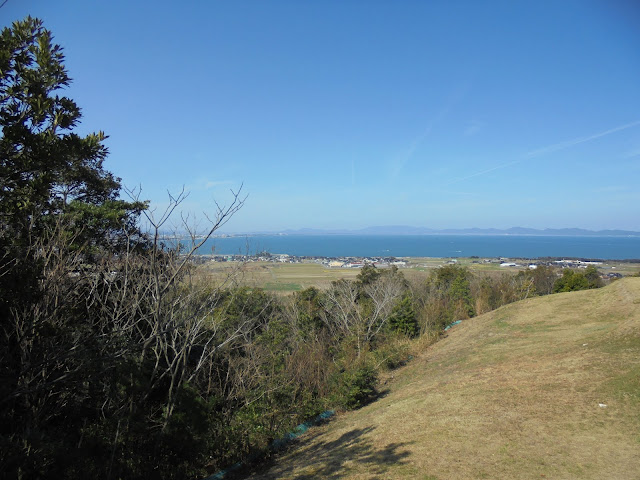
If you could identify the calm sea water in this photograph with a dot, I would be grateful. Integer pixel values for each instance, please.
(520, 246)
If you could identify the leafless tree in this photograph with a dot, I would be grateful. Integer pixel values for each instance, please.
(128, 304)
(361, 313)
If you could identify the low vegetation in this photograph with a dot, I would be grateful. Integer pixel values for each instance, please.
(544, 388)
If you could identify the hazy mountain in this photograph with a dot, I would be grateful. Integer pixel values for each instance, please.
(409, 230)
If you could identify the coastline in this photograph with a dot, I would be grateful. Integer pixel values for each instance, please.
(429, 246)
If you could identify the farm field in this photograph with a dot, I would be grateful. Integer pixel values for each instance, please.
(276, 277)
(291, 277)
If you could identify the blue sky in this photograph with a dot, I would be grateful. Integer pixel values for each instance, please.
(347, 114)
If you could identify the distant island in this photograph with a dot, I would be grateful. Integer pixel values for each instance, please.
(408, 230)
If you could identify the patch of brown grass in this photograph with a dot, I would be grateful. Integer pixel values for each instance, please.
(515, 393)
(269, 274)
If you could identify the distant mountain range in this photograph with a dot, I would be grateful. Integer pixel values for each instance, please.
(408, 230)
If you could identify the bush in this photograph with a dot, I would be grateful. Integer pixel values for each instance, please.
(393, 352)
(572, 281)
(355, 386)
(403, 317)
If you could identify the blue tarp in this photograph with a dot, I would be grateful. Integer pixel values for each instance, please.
(451, 325)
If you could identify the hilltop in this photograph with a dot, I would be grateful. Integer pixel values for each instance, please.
(544, 388)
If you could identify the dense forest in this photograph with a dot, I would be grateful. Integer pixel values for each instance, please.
(117, 362)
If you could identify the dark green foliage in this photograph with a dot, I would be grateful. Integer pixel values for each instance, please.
(593, 277)
(447, 274)
(355, 385)
(49, 175)
(308, 303)
(392, 351)
(573, 281)
(403, 317)
(570, 281)
(46, 170)
(449, 296)
(367, 275)
(247, 309)
(460, 293)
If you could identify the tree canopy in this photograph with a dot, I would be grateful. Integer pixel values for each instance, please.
(49, 175)
(46, 170)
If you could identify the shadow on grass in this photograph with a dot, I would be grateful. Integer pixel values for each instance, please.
(329, 459)
(379, 394)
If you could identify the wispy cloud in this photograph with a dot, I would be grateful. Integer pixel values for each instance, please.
(483, 172)
(399, 161)
(577, 141)
(546, 150)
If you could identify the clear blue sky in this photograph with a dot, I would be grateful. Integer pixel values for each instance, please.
(346, 114)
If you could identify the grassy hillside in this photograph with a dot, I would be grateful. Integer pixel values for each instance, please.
(517, 393)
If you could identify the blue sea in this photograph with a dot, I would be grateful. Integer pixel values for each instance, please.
(515, 246)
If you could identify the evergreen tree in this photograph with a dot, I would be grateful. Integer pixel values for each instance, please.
(49, 175)
(460, 293)
(45, 168)
(572, 281)
(367, 275)
(403, 317)
(59, 210)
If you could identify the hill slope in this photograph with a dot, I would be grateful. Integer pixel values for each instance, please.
(515, 393)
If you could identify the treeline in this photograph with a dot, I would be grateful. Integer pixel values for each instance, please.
(116, 362)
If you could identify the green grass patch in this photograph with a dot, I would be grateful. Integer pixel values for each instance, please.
(618, 345)
(539, 327)
(627, 385)
(501, 322)
(282, 287)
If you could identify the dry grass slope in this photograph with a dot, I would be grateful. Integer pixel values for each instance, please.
(515, 393)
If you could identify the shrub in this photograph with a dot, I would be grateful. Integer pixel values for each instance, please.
(403, 317)
(393, 352)
(572, 281)
(355, 386)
